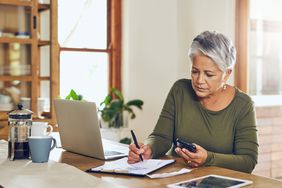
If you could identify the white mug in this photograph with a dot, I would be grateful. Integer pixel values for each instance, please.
(40, 129)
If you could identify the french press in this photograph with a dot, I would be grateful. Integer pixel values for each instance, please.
(20, 121)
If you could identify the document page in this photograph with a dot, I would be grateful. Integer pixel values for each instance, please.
(140, 168)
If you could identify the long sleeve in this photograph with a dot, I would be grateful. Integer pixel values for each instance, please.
(160, 139)
(244, 157)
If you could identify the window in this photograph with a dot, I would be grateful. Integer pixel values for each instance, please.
(89, 34)
(262, 30)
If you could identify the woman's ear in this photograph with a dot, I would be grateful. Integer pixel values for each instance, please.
(227, 74)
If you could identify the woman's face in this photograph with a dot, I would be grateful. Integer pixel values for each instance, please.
(207, 78)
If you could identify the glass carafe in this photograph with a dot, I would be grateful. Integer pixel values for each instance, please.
(20, 121)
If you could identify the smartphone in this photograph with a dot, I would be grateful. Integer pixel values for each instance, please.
(182, 144)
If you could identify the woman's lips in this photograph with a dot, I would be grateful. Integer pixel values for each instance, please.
(200, 88)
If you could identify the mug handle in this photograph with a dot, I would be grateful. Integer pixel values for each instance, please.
(50, 131)
(54, 144)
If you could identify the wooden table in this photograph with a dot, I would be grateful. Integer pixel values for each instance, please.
(84, 163)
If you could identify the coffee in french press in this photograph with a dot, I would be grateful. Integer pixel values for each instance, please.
(20, 121)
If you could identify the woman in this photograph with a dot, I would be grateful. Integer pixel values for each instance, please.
(218, 118)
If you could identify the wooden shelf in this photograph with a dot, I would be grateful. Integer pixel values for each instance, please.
(43, 7)
(4, 115)
(12, 78)
(44, 78)
(43, 42)
(15, 40)
(25, 3)
(31, 52)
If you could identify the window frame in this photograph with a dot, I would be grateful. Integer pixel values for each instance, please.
(113, 44)
(242, 26)
(241, 42)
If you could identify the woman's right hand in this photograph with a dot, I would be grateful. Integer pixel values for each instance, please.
(134, 152)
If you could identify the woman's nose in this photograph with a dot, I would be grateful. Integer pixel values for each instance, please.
(200, 78)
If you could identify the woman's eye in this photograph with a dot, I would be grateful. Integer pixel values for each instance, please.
(210, 75)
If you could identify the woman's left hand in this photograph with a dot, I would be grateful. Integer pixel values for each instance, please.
(193, 159)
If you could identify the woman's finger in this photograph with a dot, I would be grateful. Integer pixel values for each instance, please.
(192, 164)
(182, 154)
(190, 154)
(130, 161)
(133, 156)
(132, 147)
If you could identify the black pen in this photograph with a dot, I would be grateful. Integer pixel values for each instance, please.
(136, 143)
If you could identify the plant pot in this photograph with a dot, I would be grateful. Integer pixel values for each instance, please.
(121, 120)
(115, 130)
(115, 134)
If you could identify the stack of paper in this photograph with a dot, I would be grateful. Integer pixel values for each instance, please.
(140, 169)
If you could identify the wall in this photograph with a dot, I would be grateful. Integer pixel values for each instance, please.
(269, 124)
(150, 56)
(156, 36)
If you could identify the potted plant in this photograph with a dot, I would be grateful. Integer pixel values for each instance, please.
(74, 96)
(114, 106)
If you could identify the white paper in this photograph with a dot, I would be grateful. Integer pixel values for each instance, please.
(169, 174)
(140, 168)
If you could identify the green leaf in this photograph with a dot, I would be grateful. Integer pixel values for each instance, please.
(107, 100)
(126, 140)
(74, 95)
(117, 93)
(130, 112)
(108, 114)
(116, 105)
(68, 97)
(80, 97)
(132, 115)
(127, 108)
(137, 103)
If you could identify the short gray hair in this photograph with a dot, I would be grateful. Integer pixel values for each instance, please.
(217, 47)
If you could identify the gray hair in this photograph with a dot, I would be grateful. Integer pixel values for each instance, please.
(217, 47)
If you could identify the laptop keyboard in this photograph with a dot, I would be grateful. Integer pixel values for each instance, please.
(110, 153)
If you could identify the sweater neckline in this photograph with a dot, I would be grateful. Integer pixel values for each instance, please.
(216, 112)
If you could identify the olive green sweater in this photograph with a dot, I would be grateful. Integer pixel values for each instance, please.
(229, 135)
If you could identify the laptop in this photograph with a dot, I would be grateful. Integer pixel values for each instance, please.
(80, 131)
